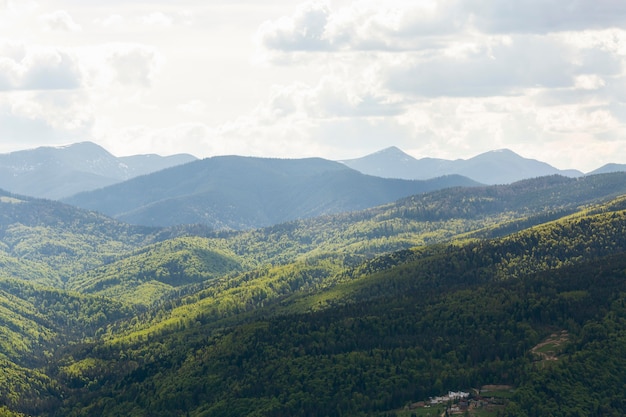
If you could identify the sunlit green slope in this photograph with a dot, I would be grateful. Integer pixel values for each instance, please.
(355, 313)
(393, 330)
(154, 271)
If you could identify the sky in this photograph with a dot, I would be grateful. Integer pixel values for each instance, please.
(338, 79)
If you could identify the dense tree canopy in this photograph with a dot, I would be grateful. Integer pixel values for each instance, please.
(360, 313)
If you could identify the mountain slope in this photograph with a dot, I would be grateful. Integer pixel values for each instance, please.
(153, 272)
(37, 322)
(313, 253)
(609, 168)
(494, 167)
(397, 329)
(238, 193)
(319, 316)
(56, 172)
(47, 242)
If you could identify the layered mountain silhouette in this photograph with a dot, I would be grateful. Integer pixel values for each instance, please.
(57, 172)
(608, 168)
(233, 192)
(495, 167)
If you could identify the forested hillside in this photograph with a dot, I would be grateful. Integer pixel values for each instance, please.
(394, 330)
(362, 313)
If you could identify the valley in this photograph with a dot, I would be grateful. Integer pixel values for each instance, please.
(350, 313)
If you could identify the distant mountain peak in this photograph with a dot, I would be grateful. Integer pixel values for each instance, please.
(391, 149)
(499, 166)
(59, 171)
(82, 144)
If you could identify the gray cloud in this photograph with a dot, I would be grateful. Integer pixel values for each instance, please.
(543, 16)
(415, 27)
(524, 62)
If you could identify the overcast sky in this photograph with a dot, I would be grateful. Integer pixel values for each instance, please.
(340, 79)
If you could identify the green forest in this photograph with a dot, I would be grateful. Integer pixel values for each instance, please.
(365, 313)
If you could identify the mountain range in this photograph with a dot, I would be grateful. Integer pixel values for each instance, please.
(233, 192)
(495, 167)
(60, 172)
(57, 172)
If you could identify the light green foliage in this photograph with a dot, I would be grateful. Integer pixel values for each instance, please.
(148, 274)
(351, 314)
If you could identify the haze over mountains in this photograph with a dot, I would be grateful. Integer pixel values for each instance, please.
(233, 192)
(57, 172)
(60, 172)
(495, 167)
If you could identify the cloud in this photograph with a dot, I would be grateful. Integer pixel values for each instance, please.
(544, 16)
(45, 117)
(134, 65)
(38, 68)
(502, 68)
(111, 21)
(304, 30)
(195, 138)
(333, 97)
(51, 70)
(324, 119)
(410, 25)
(589, 82)
(194, 107)
(59, 20)
(18, 7)
(156, 19)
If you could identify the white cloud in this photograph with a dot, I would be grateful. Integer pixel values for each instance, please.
(156, 19)
(589, 82)
(45, 117)
(194, 107)
(133, 65)
(111, 21)
(304, 30)
(18, 7)
(447, 78)
(59, 20)
(51, 70)
(38, 68)
(195, 138)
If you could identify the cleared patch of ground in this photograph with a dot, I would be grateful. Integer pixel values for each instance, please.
(550, 348)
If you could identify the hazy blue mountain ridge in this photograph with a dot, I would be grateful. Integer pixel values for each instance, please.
(495, 167)
(57, 172)
(608, 168)
(233, 192)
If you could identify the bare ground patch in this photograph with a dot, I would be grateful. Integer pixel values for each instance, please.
(550, 348)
